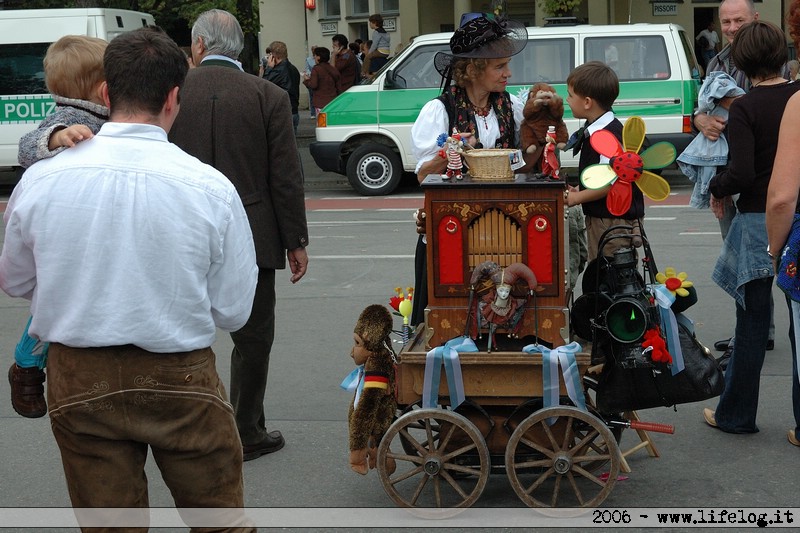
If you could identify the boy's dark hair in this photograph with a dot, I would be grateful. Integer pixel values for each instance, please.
(340, 39)
(142, 67)
(595, 80)
(376, 19)
(323, 53)
(759, 49)
(354, 48)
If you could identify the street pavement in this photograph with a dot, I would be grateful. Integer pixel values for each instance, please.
(360, 249)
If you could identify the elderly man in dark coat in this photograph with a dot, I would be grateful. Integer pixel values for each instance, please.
(242, 125)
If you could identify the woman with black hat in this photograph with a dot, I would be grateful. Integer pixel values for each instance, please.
(474, 102)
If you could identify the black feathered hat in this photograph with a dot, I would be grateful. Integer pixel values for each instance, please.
(483, 38)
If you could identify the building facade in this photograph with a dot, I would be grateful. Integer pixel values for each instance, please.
(303, 23)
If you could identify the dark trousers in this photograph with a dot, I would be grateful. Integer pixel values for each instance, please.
(420, 301)
(108, 406)
(250, 361)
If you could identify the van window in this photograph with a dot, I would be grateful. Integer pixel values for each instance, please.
(547, 60)
(21, 69)
(417, 70)
(632, 58)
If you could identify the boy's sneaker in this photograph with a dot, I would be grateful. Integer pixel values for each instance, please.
(27, 391)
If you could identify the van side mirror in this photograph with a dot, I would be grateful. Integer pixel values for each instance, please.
(394, 80)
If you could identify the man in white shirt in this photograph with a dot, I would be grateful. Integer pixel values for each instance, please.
(711, 43)
(132, 253)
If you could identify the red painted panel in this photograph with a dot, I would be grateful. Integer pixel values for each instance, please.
(450, 260)
(540, 249)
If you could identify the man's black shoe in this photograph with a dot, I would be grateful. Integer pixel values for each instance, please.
(272, 443)
(722, 345)
(724, 359)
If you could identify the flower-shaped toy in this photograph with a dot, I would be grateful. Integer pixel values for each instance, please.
(675, 282)
(626, 166)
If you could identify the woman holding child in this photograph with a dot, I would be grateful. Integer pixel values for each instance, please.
(744, 268)
(474, 102)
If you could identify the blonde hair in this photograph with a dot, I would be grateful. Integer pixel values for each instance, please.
(73, 66)
(463, 75)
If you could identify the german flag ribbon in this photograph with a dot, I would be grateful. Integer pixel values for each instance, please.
(376, 380)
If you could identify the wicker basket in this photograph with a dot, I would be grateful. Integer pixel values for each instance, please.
(489, 164)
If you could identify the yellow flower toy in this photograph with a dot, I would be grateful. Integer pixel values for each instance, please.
(676, 283)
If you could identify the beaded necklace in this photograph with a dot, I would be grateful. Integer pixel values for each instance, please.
(482, 112)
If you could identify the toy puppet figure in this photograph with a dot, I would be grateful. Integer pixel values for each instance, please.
(550, 163)
(498, 307)
(452, 148)
(544, 108)
(374, 404)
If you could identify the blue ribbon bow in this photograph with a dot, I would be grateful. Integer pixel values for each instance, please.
(669, 325)
(446, 355)
(354, 381)
(565, 355)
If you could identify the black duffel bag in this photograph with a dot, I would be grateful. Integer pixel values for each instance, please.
(628, 389)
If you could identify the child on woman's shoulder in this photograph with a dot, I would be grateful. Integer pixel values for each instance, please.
(73, 69)
(591, 91)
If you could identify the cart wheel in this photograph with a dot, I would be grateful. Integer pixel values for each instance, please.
(448, 468)
(550, 465)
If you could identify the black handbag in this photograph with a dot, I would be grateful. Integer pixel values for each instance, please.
(623, 386)
(628, 389)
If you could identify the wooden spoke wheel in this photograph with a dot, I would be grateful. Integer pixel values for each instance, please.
(552, 465)
(449, 465)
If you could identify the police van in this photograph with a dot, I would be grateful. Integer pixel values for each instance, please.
(25, 35)
(365, 132)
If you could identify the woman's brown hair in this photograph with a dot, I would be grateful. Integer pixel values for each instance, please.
(759, 49)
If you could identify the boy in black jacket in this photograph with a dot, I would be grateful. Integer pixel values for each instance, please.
(591, 90)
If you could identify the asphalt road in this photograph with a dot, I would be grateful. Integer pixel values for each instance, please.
(361, 248)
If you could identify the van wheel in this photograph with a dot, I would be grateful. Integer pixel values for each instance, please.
(374, 170)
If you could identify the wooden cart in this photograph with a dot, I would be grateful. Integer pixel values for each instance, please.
(441, 457)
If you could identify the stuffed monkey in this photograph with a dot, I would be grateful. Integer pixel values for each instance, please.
(543, 108)
(373, 410)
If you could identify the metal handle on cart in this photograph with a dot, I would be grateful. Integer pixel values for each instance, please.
(646, 426)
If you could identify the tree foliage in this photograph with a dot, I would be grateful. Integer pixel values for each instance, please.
(559, 8)
(174, 16)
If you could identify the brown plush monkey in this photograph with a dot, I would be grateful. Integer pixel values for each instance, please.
(544, 108)
(373, 409)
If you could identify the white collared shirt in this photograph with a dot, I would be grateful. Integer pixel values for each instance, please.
(223, 58)
(599, 124)
(433, 120)
(126, 239)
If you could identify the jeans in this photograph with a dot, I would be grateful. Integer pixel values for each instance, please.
(794, 317)
(738, 404)
(724, 226)
(108, 406)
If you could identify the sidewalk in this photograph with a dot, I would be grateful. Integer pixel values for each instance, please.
(305, 130)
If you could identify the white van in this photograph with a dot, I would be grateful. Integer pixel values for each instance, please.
(365, 132)
(25, 35)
